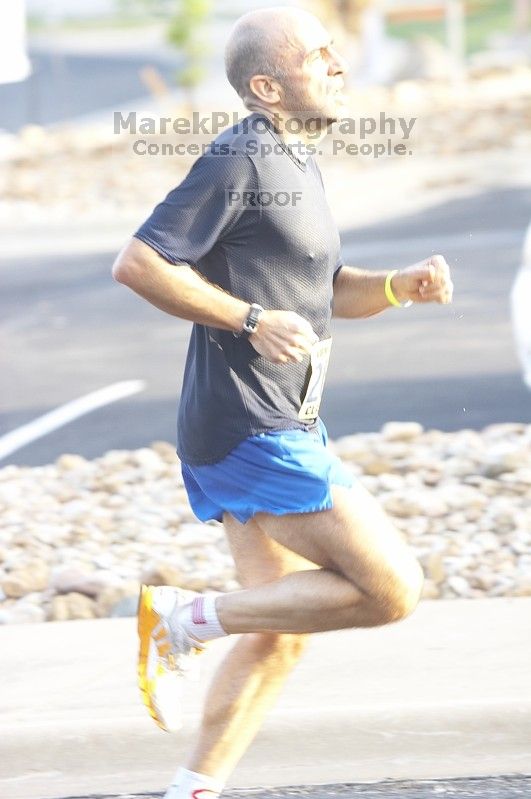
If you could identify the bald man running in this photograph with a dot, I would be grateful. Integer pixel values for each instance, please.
(313, 550)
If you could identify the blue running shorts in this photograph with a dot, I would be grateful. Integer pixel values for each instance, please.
(283, 471)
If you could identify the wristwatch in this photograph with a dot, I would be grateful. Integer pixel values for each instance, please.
(251, 322)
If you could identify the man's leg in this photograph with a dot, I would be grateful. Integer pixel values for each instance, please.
(368, 577)
(252, 674)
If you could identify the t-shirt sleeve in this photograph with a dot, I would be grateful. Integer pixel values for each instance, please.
(203, 209)
(338, 266)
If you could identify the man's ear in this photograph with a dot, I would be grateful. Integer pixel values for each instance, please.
(265, 89)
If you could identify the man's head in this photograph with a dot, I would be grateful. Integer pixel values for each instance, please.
(282, 60)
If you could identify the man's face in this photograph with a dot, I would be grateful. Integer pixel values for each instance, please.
(313, 87)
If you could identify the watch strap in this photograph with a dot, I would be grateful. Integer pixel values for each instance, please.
(251, 321)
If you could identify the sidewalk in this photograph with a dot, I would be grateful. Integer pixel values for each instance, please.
(444, 693)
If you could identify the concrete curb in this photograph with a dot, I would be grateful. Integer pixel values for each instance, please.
(442, 694)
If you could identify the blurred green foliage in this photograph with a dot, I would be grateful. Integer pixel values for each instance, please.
(186, 32)
(483, 20)
(186, 20)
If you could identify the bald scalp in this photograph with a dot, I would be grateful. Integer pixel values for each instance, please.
(262, 43)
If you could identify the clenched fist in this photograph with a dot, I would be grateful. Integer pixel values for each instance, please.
(426, 281)
(283, 337)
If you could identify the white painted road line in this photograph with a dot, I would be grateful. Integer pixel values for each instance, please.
(51, 421)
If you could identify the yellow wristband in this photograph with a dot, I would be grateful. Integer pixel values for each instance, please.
(389, 292)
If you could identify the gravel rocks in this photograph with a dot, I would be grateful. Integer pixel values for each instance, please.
(78, 537)
(26, 580)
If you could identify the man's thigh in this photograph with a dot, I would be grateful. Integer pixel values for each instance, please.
(259, 559)
(355, 538)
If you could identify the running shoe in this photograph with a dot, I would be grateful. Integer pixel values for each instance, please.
(166, 654)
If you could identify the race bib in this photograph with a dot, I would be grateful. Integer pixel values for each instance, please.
(318, 365)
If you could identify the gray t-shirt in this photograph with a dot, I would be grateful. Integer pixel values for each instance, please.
(253, 219)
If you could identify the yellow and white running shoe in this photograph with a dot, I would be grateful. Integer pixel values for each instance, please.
(166, 654)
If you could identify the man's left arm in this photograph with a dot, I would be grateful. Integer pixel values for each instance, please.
(360, 293)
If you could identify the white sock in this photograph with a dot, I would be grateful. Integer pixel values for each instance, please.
(191, 785)
(200, 619)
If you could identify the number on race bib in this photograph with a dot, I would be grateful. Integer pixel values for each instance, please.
(318, 365)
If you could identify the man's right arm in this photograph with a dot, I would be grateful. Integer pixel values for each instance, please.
(282, 336)
(177, 290)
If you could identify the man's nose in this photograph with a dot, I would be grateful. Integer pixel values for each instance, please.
(338, 64)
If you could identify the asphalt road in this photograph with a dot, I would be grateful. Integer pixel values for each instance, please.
(69, 329)
(505, 787)
(63, 86)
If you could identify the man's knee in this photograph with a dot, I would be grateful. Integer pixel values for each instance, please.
(393, 601)
(402, 596)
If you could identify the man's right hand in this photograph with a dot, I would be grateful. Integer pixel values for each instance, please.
(283, 337)
(178, 289)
